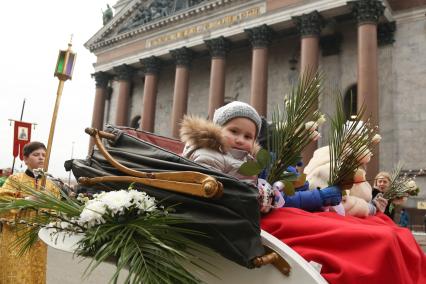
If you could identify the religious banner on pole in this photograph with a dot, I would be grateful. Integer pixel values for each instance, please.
(22, 136)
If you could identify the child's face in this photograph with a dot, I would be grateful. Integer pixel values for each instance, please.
(240, 133)
(36, 159)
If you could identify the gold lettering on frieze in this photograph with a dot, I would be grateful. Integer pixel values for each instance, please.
(222, 22)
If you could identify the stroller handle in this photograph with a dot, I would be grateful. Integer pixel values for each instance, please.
(187, 182)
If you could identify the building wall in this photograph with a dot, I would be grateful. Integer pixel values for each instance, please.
(402, 103)
(409, 85)
(136, 104)
(165, 100)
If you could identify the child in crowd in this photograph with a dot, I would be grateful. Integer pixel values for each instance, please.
(229, 141)
(31, 267)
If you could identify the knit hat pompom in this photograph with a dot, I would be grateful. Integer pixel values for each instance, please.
(237, 109)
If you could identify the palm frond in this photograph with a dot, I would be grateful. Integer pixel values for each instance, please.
(401, 185)
(288, 135)
(152, 245)
(350, 144)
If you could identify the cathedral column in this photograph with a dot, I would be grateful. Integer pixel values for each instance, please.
(259, 37)
(102, 80)
(367, 13)
(124, 73)
(183, 57)
(218, 48)
(151, 67)
(309, 27)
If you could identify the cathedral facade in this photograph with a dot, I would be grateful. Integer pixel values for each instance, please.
(158, 60)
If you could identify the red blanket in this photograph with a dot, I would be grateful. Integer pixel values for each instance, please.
(350, 249)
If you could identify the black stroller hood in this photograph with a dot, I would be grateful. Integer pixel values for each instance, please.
(230, 222)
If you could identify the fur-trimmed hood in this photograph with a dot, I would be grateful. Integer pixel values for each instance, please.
(201, 133)
(206, 145)
(198, 133)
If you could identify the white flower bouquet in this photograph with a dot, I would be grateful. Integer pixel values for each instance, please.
(127, 227)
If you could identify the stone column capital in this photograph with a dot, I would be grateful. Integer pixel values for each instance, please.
(102, 79)
(309, 24)
(151, 65)
(367, 11)
(124, 72)
(218, 47)
(182, 56)
(260, 37)
(386, 33)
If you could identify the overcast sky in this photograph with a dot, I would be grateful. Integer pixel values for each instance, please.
(32, 34)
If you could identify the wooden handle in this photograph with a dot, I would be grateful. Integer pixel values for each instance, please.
(208, 189)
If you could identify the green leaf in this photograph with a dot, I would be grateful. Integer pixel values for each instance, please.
(300, 181)
(250, 168)
(289, 188)
(288, 176)
(263, 157)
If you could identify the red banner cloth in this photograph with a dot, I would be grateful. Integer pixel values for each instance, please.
(351, 250)
(22, 136)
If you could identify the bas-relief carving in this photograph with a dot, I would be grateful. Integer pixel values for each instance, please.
(155, 10)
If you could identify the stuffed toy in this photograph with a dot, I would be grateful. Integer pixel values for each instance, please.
(356, 201)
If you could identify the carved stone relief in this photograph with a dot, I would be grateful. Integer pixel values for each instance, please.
(155, 10)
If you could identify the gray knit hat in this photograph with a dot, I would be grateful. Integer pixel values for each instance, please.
(237, 109)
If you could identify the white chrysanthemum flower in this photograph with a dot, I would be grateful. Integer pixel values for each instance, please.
(99, 195)
(148, 204)
(116, 201)
(136, 196)
(93, 213)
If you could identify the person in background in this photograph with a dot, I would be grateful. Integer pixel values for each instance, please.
(31, 267)
(382, 183)
(404, 218)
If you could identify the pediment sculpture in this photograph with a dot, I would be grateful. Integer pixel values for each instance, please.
(155, 10)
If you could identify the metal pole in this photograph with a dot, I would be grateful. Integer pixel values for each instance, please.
(22, 115)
